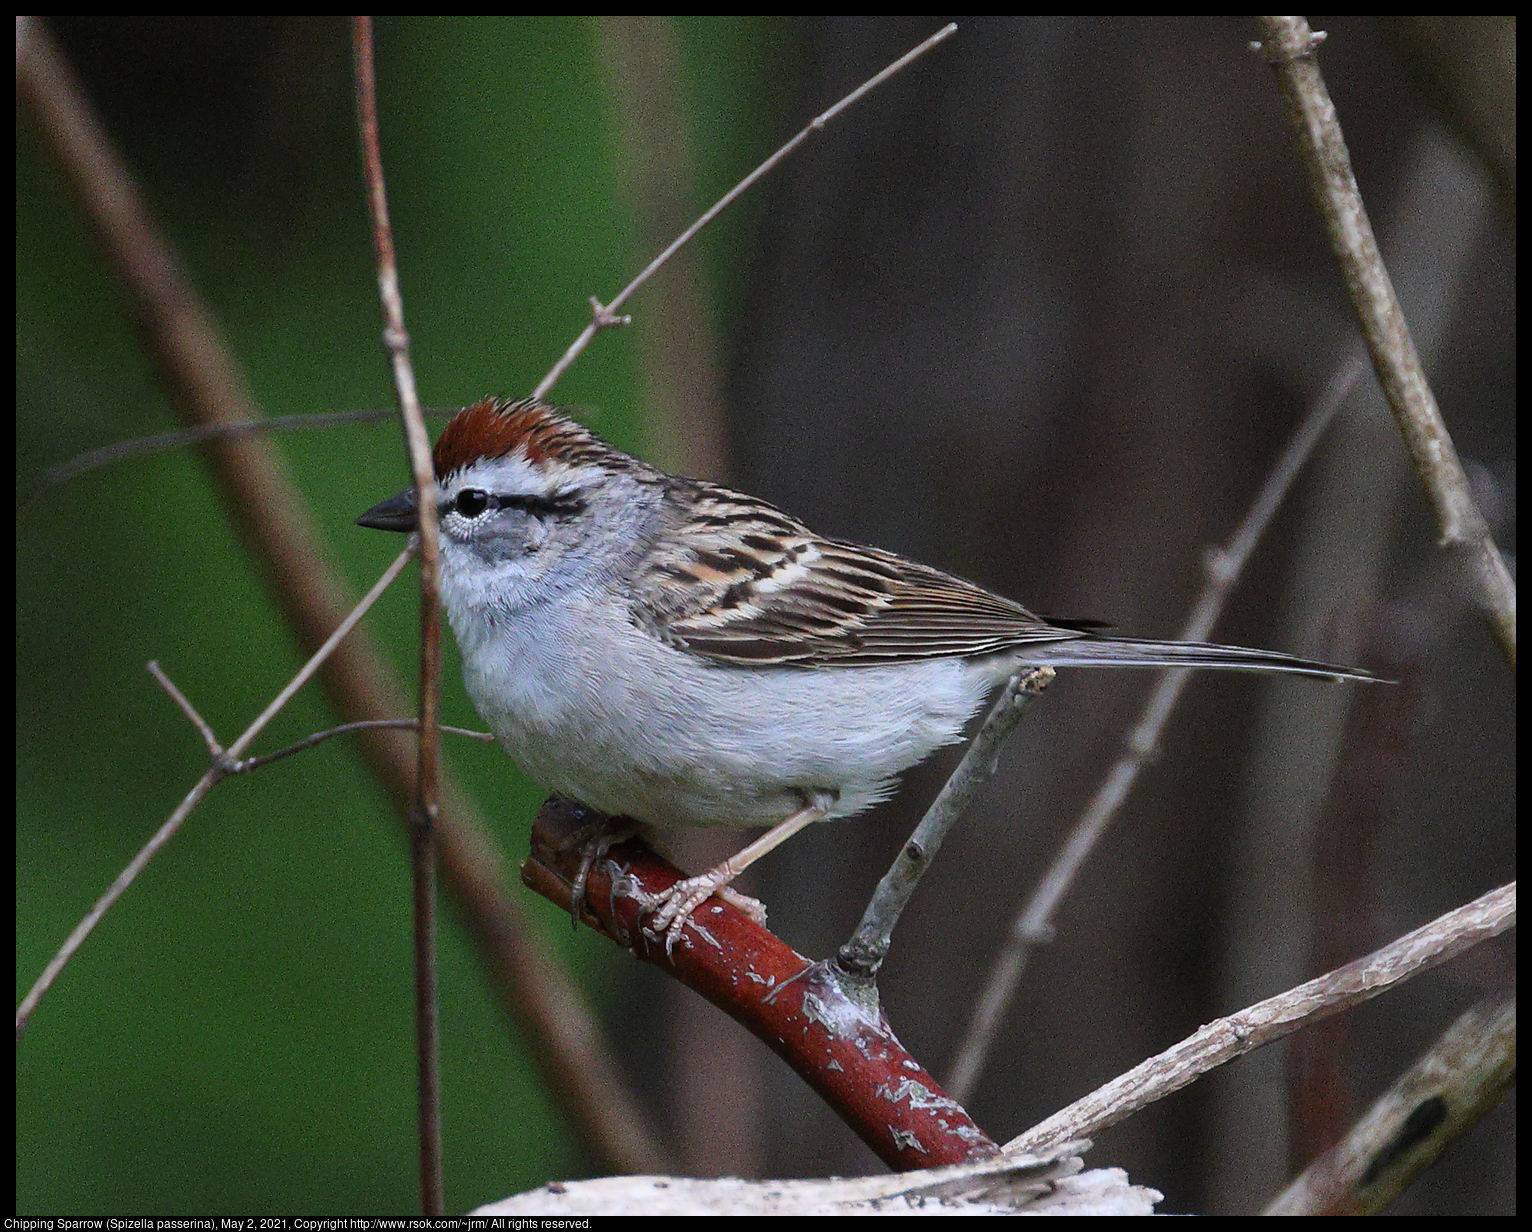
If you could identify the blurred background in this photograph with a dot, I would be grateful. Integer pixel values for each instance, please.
(1041, 311)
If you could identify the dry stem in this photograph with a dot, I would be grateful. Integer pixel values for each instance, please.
(1033, 926)
(1289, 48)
(205, 386)
(602, 315)
(1219, 1042)
(428, 748)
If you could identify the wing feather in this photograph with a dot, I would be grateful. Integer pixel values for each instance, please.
(778, 593)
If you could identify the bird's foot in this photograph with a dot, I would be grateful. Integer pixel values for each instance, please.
(673, 907)
(594, 839)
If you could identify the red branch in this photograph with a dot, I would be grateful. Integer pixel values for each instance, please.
(829, 1030)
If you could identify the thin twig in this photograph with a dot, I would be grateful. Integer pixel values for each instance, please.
(384, 581)
(863, 954)
(205, 385)
(1289, 48)
(427, 801)
(159, 442)
(1429, 946)
(342, 729)
(604, 315)
(1033, 926)
(190, 711)
(218, 770)
(249, 764)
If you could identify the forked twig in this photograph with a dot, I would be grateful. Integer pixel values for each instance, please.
(248, 764)
(220, 769)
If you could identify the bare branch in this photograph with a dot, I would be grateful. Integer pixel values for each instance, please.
(1289, 48)
(190, 711)
(1033, 926)
(223, 762)
(428, 747)
(863, 954)
(1429, 946)
(604, 313)
(255, 763)
(1439, 1099)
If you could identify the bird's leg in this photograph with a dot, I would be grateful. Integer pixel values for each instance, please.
(594, 839)
(674, 905)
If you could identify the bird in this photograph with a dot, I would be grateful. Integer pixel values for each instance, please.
(677, 653)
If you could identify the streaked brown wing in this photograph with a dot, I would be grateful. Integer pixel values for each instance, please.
(742, 582)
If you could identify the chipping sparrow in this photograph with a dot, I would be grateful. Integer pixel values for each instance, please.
(670, 651)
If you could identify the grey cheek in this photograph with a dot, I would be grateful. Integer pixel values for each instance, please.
(536, 534)
(514, 540)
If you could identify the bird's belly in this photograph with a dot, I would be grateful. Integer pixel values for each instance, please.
(689, 742)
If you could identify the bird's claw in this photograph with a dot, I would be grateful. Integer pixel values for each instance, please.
(674, 906)
(594, 840)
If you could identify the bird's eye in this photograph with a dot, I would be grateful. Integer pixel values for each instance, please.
(471, 502)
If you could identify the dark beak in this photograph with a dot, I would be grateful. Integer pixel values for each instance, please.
(396, 513)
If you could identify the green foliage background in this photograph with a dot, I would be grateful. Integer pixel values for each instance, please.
(236, 1038)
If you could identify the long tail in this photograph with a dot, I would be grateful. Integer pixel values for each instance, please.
(1098, 651)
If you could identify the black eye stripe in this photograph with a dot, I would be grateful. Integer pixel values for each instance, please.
(473, 502)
